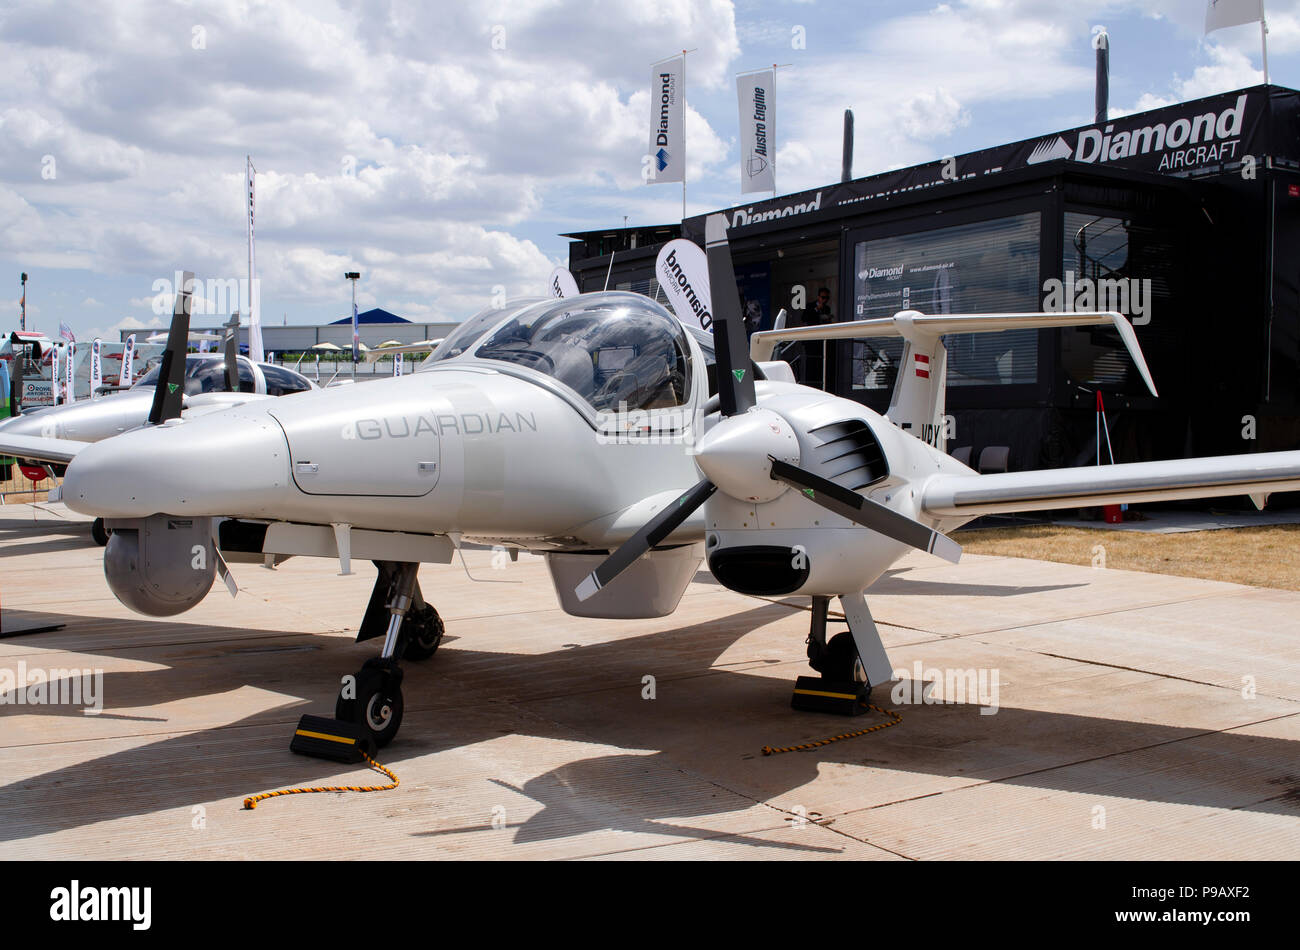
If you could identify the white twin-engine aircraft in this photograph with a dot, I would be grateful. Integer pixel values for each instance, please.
(509, 434)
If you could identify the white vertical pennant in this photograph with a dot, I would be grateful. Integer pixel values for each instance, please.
(128, 362)
(56, 359)
(756, 97)
(397, 364)
(96, 367)
(255, 351)
(70, 380)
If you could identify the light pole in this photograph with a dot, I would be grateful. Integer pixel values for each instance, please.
(354, 276)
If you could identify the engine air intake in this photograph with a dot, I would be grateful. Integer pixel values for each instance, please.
(848, 454)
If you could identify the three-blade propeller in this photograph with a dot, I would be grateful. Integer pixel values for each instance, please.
(736, 396)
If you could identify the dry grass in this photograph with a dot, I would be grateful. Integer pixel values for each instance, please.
(1267, 556)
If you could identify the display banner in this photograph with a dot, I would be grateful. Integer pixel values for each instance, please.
(128, 362)
(1225, 13)
(1207, 136)
(683, 272)
(96, 367)
(562, 284)
(757, 99)
(397, 364)
(69, 368)
(667, 121)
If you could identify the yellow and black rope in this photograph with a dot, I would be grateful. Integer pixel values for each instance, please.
(770, 750)
(251, 802)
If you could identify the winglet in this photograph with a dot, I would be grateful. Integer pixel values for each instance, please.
(1130, 339)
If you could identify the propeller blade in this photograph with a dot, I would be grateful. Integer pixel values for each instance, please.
(735, 371)
(232, 353)
(650, 534)
(169, 394)
(862, 510)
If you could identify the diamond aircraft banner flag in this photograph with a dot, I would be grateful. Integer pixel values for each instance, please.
(667, 122)
(757, 100)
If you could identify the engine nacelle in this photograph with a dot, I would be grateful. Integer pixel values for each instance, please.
(652, 587)
(162, 565)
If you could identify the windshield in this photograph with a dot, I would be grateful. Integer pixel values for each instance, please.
(205, 375)
(467, 334)
(618, 351)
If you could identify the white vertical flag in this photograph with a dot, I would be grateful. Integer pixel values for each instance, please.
(397, 364)
(96, 367)
(757, 97)
(668, 121)
(562, 283)
(128, 362)
(56, 361)
(1224, 13)
(69, 380)
(682, 270)
(255, 352)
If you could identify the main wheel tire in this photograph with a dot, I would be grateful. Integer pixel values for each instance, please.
(427, 629)
(841, 661)
(377, 706)
(99, 532)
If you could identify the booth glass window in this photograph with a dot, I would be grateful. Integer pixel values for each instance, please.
(981, 267)
(1111, 262)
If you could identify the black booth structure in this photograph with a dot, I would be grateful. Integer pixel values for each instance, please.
(1185, 218)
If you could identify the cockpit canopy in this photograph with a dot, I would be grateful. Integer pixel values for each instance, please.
(618, 351)
(207, 374)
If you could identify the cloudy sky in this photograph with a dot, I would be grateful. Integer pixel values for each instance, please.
(440, 148)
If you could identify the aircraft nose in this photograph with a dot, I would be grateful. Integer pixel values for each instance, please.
(225, 464)
(29, 424)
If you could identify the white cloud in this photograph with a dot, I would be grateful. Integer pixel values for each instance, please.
(389, 137)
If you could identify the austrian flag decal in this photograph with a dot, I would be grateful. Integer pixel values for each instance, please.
(922, 365)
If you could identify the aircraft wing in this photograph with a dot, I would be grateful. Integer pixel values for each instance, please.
(968, 496)
(59, 451)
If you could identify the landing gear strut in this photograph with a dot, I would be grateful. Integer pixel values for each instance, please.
(837, 659)
(851, 663)
(412, 630)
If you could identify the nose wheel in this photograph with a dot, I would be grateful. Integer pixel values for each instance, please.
(373, 700)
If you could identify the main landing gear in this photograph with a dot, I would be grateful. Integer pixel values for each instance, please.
(412, 630)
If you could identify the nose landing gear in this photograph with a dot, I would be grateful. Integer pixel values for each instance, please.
(372, 697)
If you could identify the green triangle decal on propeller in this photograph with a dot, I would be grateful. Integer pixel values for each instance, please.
(809, 492)
(739, 374)
(171, 387)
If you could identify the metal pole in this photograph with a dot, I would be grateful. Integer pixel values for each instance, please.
(1263, 41)
(846, 161)
(1102, 43)
(684, 52)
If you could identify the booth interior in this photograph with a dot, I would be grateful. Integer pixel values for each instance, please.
(1186, 219)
